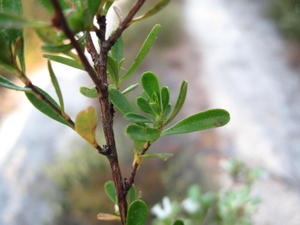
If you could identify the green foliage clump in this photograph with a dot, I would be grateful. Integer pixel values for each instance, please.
(287, 17)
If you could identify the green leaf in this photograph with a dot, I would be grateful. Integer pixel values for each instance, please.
(144, 105)
(142, 133)
(7, 84)
(155, 9)
(7, 70)
(143, 52)
(162, 156)
(8, 37)
(89, 92)
(8, 21)
(57, 48)
(151, 85)
(113, 70)
(137, 213)
(132, 193)
(86, 123)
(117, 50)
(48, 5)
(201, 121)
(64, 60)
(110, 190)
(41, 105)
(180, 101)
(178, 222)
(137, 118)
(165, 98)
(130, 88)
(93, 6)
(119, 101)
(56, 86)
(48, 35)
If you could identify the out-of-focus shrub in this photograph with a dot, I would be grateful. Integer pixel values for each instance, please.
(286, 14)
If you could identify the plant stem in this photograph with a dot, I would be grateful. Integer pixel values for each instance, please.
(100, 79)
(130, 181)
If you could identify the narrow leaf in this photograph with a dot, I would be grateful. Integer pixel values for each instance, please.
(180, 101)
(7, 70)
(86, 123)
(151, 85)
(201, 121)
(56, 86)
(137, 118)
(41, 105)
(113, 69)
(107, 217)
(144, 106)
(119, 101)
(142, 133)
(155, 9)
(162, 156)
(130, 88)
(64, 60)
(143, 52)
(110, 190)
(7, 84)
(137, 213)
(89, 92)
(8, 21)
(117, 50)
(54, 48)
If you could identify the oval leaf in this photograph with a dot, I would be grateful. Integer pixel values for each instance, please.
(86, 123)
(141, 133)
(89, 92)
(137, 118)
(42, 106)
(178, 222)
(165, 98)
(151, 85)
(7, 84)
(137, 213)
(201, 121)
(143, 52)
(179, 103)
(119, 101)
(110, 190)
(144, 105)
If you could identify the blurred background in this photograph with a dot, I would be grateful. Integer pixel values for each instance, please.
(240, 55)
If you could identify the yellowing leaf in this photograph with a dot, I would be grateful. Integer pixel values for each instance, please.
(107, 217)
(86, 123)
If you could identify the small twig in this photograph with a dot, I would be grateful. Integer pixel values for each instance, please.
(28, 83)
(60, 22)
(130, 181)
(126, 22)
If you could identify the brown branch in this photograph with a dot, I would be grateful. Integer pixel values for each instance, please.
(130, 181)
(60, 22)
(100, 80)
(41, 96)
(125, 23)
